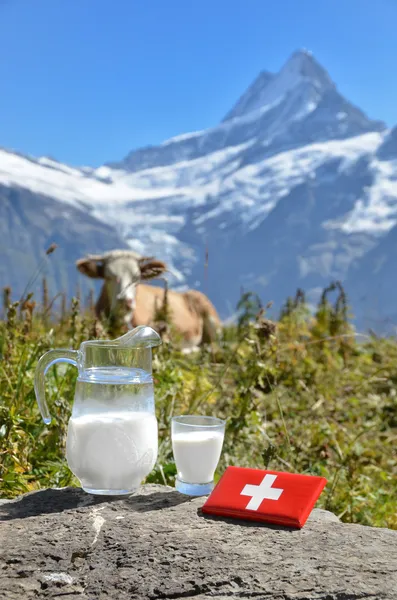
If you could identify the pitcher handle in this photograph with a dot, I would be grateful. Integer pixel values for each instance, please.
(46, 361)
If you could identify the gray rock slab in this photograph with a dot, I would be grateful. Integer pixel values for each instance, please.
(63, 543)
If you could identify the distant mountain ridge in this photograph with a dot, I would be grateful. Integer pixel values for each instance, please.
(295, 186)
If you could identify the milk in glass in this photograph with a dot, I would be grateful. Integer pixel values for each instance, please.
(197, 454)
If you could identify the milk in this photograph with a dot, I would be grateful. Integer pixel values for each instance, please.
(197, 454)
(112, 451)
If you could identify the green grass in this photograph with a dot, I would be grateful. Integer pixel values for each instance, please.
(308, 396)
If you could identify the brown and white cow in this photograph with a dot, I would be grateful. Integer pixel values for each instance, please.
(191, 313)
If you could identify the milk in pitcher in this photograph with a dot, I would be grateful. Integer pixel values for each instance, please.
(110, 446)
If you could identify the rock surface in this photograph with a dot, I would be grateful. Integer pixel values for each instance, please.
(157, 544)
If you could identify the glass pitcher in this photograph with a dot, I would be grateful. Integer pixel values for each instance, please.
(112, 437)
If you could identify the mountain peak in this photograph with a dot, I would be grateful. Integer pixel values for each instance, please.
(303, 65)
(299, 104)
(251, 99)
(269, 89)
(303, 54)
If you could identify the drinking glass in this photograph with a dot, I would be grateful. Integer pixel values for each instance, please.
(197, 445)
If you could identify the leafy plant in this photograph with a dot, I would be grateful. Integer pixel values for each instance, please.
(304, 395)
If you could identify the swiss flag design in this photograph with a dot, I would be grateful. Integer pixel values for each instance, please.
(270, 496)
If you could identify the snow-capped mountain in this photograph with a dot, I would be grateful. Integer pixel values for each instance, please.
(296, 186)
(300, 104)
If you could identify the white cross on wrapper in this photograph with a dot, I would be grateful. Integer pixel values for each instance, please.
(263, 491)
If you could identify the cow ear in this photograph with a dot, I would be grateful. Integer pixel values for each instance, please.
(151, 268)
(91, 267)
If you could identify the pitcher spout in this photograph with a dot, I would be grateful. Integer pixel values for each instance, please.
(140, 337)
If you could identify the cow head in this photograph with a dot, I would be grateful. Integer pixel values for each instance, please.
(122, 270)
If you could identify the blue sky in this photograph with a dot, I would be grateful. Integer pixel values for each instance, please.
(86, 81)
